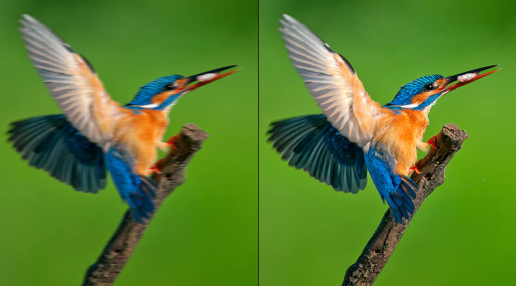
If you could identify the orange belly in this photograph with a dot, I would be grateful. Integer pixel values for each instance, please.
(140, 134)
(401, 134)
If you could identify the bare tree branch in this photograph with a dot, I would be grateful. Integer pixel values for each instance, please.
(121, 246)
(383, 242)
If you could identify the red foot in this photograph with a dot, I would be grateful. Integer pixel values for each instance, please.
(154, 168)
(414, 168)
(431, 141)
(173, 141)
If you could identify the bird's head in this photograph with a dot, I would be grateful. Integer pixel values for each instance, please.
(162, 93)
(421, 94)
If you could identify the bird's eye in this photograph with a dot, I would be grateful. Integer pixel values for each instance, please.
(170, 86)
(429, 87)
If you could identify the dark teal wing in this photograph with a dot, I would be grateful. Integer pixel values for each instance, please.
(52, 144)
(311, 143)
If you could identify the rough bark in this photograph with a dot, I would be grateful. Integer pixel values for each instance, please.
(383, 242)
(122, 244)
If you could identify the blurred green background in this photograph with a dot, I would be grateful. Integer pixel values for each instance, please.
(206, 232)
(464, 233)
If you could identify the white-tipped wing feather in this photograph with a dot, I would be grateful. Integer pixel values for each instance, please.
(331, 81)
(71, 81)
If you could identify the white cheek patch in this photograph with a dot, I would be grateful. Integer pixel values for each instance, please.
(466, 77)
(206, 77)
(149, 106)
(409, 106)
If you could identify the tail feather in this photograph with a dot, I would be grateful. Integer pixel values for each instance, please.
(409, 186)
(54, 145)
(312, 144)
(398, 190)
(401, 202)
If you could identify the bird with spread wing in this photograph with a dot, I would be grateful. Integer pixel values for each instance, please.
(355, 134)
(96, 134)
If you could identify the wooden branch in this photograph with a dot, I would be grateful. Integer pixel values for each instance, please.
(383, 242)
(121, 246)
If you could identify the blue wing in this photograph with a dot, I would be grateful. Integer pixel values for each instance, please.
(136, 189)
(312, 144)
(52, 144)
(397, 190)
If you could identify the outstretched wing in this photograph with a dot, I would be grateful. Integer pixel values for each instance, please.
(52, 144)
(332, 82)
(71, 81)
(312, 144)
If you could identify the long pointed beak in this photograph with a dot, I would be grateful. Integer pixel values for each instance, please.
(202, 79)
(466, 78)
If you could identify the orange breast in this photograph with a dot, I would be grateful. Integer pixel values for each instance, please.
(140, 133)
(400, 134)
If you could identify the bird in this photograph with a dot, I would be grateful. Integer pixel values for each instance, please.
(95, 135)
(354, 134)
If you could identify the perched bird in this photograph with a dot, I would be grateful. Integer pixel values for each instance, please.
(355, 134)
(95, 133)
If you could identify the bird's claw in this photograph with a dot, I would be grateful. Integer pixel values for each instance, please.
(173, 141)
(431, 142)
(414, 168)
(155, 168)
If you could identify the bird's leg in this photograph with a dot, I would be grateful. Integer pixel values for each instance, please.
(172, 142)
(164, 146)
(155, 168)
(431, 142)
(414, 168)
(424, 146)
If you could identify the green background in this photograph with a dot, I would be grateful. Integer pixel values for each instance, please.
(464, 232)
(206, 232)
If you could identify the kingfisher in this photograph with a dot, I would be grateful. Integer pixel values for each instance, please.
(95, 134)
(355, 134)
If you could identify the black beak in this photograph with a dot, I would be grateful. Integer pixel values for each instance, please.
(476, 71)
(207, 77)
(214, 71)
(466, 78)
